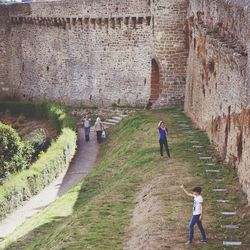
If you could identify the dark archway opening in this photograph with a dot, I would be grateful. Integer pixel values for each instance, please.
(155, 81)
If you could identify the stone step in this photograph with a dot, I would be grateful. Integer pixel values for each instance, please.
(108, 123)
(180, 121)
(222, 201)
(184, 125)
(118, 118)
(212, 170)
(232, 243)
(229, 213)
(210, 164)
(193, 142)
(112, 121)
(219, 190)
(219, 180)
(230, 226)
(206, 158)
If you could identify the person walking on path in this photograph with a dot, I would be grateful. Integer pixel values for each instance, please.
(98, 128)
(198, 213)
(163, 133)
(86, 124)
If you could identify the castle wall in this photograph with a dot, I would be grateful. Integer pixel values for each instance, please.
(217, 91)
(93, 52)
(98, 51)
(4, 47)
(170, 50)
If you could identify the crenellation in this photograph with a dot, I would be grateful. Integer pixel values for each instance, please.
(112, 22)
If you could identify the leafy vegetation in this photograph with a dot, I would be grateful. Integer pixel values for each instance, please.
(21, 186)
(15, 155)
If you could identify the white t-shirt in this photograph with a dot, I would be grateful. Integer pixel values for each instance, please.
(86, 123)
(197, 205)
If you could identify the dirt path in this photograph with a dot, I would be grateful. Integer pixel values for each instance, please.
(83, 162)
(156, 221)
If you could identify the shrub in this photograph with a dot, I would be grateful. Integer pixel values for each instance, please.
(15, 155)
(39, 141)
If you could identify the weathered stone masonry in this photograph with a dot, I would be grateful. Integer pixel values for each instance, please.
(98, 51)
(4, 53)
(217, 90)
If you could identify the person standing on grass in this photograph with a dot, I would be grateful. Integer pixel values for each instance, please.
(98, 128)
(198, 212)
(86, 124)
(163, 133)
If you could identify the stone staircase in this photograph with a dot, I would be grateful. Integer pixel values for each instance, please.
(212, 169)
(114, 120)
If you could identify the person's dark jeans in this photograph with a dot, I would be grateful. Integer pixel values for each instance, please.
(99, 136)
(165, 144)
(195, 220)
(87, 132)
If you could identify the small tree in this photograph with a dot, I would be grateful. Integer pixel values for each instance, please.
(15, 155)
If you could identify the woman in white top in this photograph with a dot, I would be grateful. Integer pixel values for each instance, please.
(98, 128)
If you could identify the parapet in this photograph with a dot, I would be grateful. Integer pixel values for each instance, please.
(83, 22)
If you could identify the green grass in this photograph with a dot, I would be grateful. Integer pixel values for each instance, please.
(96, 213)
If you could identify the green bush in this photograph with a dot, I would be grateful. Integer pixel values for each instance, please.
(39, 141)
(22, 186)
(15, 155)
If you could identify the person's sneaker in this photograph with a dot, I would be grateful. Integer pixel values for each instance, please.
(188, 243)
(203, 241)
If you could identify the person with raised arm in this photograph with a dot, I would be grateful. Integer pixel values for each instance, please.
(198, 213)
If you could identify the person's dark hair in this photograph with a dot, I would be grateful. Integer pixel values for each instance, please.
(197, 190)
(161, 123)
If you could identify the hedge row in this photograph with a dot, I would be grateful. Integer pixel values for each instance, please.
(22, 186)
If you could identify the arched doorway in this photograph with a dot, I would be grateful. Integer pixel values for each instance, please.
(155, 81)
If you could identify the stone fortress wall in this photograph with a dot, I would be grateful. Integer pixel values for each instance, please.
(4, 54)
(218, 78)
(98, 52)
(137, 52)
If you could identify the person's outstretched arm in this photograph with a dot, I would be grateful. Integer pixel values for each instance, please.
(186, 192)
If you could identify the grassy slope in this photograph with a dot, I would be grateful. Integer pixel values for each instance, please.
(96, 213)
